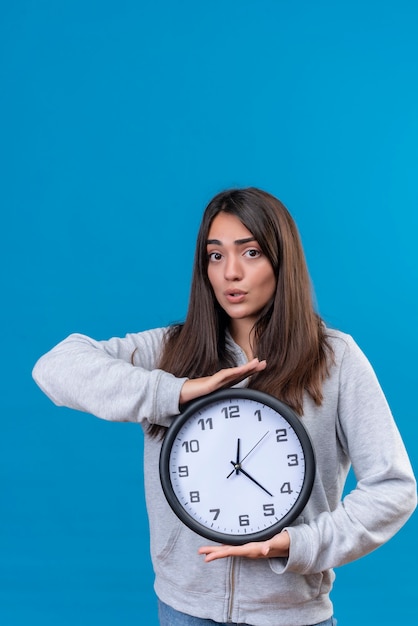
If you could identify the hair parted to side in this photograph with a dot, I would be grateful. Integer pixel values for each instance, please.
(289, 334)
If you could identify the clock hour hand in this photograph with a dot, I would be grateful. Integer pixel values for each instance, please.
(237, 462)
(239, 469)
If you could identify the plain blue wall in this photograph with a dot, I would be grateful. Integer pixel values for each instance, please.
(119, 121)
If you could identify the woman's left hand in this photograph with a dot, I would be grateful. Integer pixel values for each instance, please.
(277, 546)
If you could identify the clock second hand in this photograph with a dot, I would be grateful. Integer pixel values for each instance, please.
(238, 462)
(253, 448)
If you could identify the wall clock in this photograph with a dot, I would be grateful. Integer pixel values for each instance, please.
(237, 466)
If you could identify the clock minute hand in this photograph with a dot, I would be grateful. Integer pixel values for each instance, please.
(251, 478)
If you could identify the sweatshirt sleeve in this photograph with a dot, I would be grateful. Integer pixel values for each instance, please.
(115, 380)
(385, 493)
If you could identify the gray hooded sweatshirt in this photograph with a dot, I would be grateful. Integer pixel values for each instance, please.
(118, 380)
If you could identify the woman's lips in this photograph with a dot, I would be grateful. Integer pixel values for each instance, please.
(235, 296)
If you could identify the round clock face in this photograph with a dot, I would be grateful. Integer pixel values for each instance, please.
(237, 466)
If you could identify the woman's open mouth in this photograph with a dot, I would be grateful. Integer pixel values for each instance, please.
(235, 296)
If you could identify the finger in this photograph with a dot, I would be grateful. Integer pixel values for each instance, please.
(254, 364)
(236, 374)
(194, 388)
(217, 552)
(253, 550)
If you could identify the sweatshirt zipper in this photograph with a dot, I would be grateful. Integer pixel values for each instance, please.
(232, 588)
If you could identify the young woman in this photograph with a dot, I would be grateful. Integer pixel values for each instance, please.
(250, 322)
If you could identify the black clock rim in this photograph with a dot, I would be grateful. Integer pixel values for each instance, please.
(263, 398)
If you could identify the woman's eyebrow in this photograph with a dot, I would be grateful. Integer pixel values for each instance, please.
(237, 242)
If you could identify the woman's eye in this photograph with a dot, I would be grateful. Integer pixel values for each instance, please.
(253, 253)
(214, 256)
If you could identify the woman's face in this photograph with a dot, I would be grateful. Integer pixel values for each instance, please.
(241, 276)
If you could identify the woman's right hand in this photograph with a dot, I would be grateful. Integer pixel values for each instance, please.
(196, 387)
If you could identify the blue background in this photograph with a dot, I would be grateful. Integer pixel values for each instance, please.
(118, 122)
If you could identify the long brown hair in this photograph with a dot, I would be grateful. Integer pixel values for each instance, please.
(288, 334)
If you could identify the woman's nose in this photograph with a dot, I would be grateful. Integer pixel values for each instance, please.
(233, 268)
